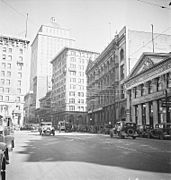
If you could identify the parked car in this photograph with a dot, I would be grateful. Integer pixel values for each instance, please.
(107, 128)
(124, 129)
(46, 128)
(161, 131)
(143, 130)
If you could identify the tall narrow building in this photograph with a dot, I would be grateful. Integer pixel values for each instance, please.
(13, 77)
(49, 40)
(69, 85)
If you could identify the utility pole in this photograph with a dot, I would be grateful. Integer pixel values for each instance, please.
(26, 25)
(152, 37)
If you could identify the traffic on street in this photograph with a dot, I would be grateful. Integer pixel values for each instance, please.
(84, 156)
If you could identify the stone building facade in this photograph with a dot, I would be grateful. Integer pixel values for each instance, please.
(149, 90)
(69, 85)
(106, 96)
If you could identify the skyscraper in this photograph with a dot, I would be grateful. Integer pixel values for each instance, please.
(69, 85)
(49, 40)
(13, 77)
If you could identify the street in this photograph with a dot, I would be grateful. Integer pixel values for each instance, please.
(81, 156)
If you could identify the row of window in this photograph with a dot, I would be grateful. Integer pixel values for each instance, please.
(73, 73)
(149, 86)
(79, 80)
(6, 65)
(10, 50)
(7, 98)
(4, 57)
(73, 66)
(79, 108)
(72, 100)
(79, 60)
(8, 82)
(8, 90)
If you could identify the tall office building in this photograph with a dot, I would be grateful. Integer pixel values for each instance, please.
(68, 97)
(48, 42)
(13, 77)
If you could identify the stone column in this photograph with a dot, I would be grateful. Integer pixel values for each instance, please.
(133, 113)
(147, 114)
(128, 108)
(139, 114)
(155, 112)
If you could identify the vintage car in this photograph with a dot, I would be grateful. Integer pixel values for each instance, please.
(124, 129)
(143, 130)
(107, 128)
(46, 128)
(161, 131)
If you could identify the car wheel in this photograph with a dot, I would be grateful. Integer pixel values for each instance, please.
(130, 132)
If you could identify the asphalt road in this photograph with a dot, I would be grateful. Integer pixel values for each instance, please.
(76, 156)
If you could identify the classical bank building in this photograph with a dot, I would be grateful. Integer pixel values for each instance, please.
(149, 89)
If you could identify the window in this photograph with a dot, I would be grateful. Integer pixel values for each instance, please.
(73, 59)
(159, 84)
(71, 108)
(1, 89)
(19, 65)
(121, 54)
(20, 58)
(21, 51)
(142, 89)
(6, 98)
(3, 65)
(1, 98)
(19, 83)
(72, 66)
(18, 99)
(2, 81)
(4, 56)
(2, 73)
(169, 80)
(72, 100)
(135, 92)
(8, 82)
(150, 87)
(122, 92)
(19, 75)
(18, 90)
(9, 57)
(8, 74)
(4, 49)
(10, 50)
(7, 90)
(122, 71)
(71, 93)
(8, 66)
(72, 86)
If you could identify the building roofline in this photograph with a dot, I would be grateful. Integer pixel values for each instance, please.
(166, 55)
(14, 38)
(75, 49)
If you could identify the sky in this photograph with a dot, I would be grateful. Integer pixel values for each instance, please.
(93, 23)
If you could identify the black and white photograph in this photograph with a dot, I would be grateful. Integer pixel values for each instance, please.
(85, 89)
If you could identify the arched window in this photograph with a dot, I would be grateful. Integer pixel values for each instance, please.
(121, 54)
